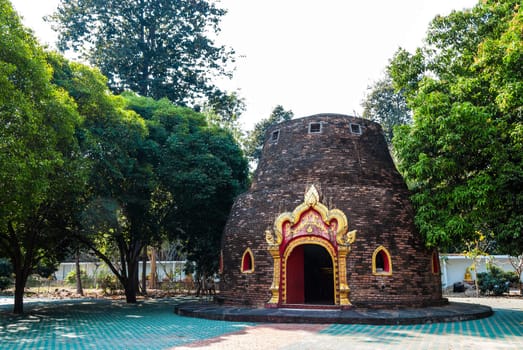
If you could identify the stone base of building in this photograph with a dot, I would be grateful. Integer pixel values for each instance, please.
(451, 312)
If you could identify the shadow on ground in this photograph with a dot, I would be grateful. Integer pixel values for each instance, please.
(151, 324)
(104, 324)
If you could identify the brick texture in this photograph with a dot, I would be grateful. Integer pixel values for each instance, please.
(353, 173)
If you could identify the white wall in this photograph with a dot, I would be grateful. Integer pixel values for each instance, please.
(453, 266)
(163, 267)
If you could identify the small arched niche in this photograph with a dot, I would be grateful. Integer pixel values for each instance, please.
(247, 265)
(381, 262)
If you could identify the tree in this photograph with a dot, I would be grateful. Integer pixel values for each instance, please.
(116, 222)
(517, 264)
(386, 106)
(224, 110)
(256, 137)
(463, 155)
(41, 172)
(478, 247)
(201, 169)
(158, 48)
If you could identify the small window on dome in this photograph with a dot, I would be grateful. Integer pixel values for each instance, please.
(381, 262)
(355, 129)
(247, 261)
(275, 135)
(315, 128)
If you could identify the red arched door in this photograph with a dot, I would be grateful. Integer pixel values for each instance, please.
(310, 278)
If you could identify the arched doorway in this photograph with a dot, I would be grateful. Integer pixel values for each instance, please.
(310, 277)
(309, 247)
(319, 277)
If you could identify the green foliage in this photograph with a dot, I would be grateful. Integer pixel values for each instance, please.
(6, 271)
(386, 106)
(149, 173)
(116, 221)
(157, 48)
(36, 119)
(5, 282)
(256, 137)
(462, 156)
(46, 267)
(108, 282)
(70, 279)
(200, 170)
(41, 173)
(224, 110)
(496, 281)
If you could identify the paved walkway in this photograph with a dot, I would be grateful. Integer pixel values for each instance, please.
(503, 330)
(102, 324)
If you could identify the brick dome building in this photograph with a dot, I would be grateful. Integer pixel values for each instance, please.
(327, 222)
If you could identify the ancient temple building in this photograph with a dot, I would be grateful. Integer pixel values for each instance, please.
(327, 222)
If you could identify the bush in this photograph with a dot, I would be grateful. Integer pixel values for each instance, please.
(108, 282)
(6, 271)
(5, 282)
(495, 281)
(5, 268)
(70, 279)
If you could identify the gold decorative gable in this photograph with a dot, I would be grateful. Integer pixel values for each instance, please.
(334, 220)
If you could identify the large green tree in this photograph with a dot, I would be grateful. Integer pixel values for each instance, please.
(157, 48)
(200, 169)
(386, 106)
(116, 222)
(463, 155)
(41, 168)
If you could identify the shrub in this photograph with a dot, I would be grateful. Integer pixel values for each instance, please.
(6, 271)
(5, 282)
(495, 281)
(108, 282)
(70, 279)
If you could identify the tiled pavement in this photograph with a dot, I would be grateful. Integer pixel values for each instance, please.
(102, 324)
(153, 325)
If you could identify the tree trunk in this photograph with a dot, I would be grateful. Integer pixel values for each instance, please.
(154, 274)
(144, 271)
(20, 281)
(131, 287)
(79, 289)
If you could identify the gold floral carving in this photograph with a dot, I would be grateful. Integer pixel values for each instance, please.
(275, 289)
(312, 201)
(272, 239)
(347, 238)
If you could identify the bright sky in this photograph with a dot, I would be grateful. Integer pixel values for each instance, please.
(309, 56)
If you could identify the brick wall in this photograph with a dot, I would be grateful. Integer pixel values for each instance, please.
(353, 173)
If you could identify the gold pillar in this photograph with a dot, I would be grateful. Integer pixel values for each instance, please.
(343, 251)
(275, 287)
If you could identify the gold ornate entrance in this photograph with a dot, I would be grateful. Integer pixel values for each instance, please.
(310, 223)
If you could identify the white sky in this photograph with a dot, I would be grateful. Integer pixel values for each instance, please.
(309, 56)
